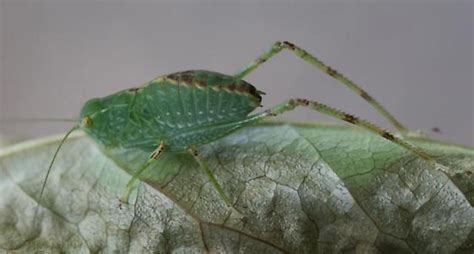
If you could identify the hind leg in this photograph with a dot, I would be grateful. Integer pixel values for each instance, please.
(314, 61)
(327, 110)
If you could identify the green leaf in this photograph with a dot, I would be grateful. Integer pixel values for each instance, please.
(297, 188)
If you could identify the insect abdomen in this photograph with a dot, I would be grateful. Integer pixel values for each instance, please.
(191, 104)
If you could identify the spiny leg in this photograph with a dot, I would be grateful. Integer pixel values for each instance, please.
(153, 157)
(314, 61)
(327, 110)
(203, 165)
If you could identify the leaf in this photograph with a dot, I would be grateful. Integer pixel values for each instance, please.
(4, 142)
(297, 188)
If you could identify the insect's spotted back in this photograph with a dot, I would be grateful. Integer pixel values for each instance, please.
(182, 109)
(215, 81)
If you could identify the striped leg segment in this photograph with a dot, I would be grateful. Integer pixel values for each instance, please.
(327, 110)
(153, 157)
(314, 61)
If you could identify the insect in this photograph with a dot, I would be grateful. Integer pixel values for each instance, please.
(179, 112)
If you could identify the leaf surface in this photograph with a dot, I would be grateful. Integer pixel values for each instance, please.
(296, 188)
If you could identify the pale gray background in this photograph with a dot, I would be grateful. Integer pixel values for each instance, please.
(416, 57)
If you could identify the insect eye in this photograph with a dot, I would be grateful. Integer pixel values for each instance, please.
(86, 121)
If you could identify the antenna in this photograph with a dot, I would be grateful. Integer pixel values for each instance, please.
(49, 170)
(25, 119)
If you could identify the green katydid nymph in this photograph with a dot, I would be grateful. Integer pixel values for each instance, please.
(179, 112)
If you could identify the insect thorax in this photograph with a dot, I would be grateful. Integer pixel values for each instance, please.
(181, 109)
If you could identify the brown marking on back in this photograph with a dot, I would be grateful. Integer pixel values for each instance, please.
(173, 76)
(244, 89)
(200, 83)
(134, 89)
(240, 86)
(187, 78)
(188, 72)
(232, 87)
